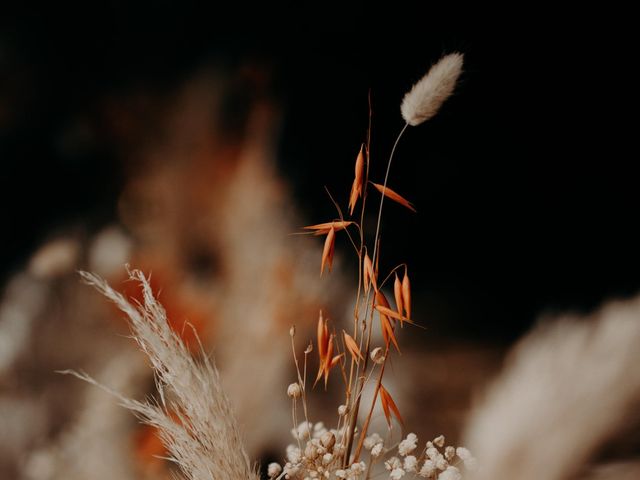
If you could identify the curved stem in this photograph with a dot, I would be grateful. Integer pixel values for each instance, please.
(384, 188)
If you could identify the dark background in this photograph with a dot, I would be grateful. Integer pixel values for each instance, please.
(525, 182)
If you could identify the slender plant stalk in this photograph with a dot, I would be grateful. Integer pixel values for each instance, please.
(356, 406)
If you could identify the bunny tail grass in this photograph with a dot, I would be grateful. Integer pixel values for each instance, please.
(426, 97)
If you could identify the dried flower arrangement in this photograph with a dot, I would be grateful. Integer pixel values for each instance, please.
(193, 416)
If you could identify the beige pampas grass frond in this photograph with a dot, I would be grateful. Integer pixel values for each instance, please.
(426, 97)
(566, 389)
(194, 417)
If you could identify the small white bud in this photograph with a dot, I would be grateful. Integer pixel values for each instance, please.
(392, 463)
(428, 469)
(377, 450)
(411, 463)
(396, 474)
(451, 473)
(372, 440)
(449, 452)
(408, 445)
(292, 331)
(326, 458)
(432, 453)
(439, 441)
(342, 410)
(441, 462)
(294, 390)
(274, 469)
(328, 440)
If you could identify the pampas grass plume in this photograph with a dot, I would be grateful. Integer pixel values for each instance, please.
(193, 417)
(427, 96)
(568, 386)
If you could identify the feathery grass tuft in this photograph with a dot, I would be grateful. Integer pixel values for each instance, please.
(193, 416)
(426, 97)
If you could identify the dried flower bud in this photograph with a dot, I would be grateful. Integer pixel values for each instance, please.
(439, 441)
(292, 331)
(274, 469)
(328, 440)
(342, 410)
(310, 451)
(377, 355)
(309, 349)
(294, 390)
(327, 458)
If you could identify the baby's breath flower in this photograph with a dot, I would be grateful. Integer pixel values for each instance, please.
(396, 474)
(428, 469)
(372, 440)
(411, 463)
(293, 454)
(319, 430)
(392, 463)
(358, 468)
(303, 431)
(377, 450)
(439, 441)
(433, 453)
(441, 462)
(408, 445)
(294, 390)
(342, 410)
(341, 473)
(274, 469)
(451, 473)
(290, 470)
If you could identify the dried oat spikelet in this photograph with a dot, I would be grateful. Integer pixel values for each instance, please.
(427, 96)
(204, 441)
(356, 188)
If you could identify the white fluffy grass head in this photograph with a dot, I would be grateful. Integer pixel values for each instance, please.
(427, 96)
(565, 390)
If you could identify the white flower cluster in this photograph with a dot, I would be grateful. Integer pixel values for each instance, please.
(320, 456)
(437, 460)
